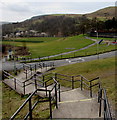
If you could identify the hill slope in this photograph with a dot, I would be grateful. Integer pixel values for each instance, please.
(108, 12)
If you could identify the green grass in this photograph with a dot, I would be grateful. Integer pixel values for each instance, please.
(46, 46)
(102, 48)
(12, 101)
(103, 68)
(52, 46)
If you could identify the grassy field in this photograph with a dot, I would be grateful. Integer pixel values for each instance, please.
(12, 101)
(103, 68)
(50, 46)
(102, 48)
(46, 46)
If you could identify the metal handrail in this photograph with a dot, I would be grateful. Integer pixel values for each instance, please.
(107, 112)
(26, 101)
(31, 108)
(11, 76)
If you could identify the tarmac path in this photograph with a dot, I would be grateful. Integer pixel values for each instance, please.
(10, 65)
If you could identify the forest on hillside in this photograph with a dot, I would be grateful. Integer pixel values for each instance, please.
(62, 25)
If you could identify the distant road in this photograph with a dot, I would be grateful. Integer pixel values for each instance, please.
(10, 65)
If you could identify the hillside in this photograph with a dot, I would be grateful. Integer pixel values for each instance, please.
(64, 24)
(108, 12)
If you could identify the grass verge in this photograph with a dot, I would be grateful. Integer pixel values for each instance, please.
(12, 101)
(103, 68)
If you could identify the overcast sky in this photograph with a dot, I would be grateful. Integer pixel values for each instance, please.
(20, 10)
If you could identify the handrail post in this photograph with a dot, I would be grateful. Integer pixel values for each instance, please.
(56, 95)
(43, 80)
(72, 82)
(15, 83)
(35, 68)
(30, 109)
(26, 74)
(100, 101)
(24, 87)
(35, 82)
(46, 89)
(59, 93)
(90, 89)
(50, 104)
(99, 93)
(81, 82)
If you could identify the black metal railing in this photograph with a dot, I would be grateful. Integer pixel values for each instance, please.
(79, 78)
(90, 84)
(102, 96)
(52, 90)
(51, 97)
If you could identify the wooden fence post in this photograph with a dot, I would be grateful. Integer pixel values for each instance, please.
(81, 82)
(72, 82)
(59, 94)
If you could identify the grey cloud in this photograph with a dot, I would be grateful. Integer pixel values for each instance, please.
(17, 7)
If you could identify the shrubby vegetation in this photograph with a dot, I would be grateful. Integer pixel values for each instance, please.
(62, 25)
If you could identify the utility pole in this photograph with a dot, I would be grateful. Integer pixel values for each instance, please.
(15, 72)
(97, 40)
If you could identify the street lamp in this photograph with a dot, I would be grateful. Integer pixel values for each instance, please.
(97, 45)
(15, 72)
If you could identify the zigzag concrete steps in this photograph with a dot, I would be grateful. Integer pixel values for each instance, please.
(76, 104)
(21, 78)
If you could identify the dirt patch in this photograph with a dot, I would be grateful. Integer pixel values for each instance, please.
(17, 50)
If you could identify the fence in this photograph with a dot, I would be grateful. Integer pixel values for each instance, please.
(53, 81)
(31, 107)
(89, 84)
(78, 78)
(16, 82)
(102, 96)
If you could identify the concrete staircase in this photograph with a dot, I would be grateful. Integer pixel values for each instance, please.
(77, 104)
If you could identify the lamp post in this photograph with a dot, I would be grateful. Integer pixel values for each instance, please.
(97, 45)
(15, 72)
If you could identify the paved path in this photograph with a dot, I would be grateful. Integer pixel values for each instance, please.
(57, 63)
(76, 104)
